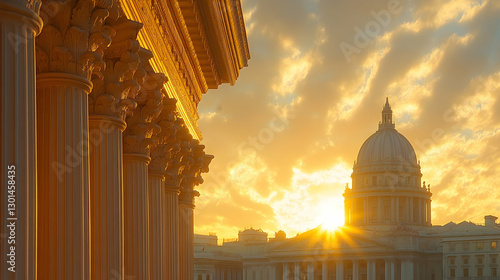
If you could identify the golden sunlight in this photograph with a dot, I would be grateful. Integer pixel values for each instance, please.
(329, 217)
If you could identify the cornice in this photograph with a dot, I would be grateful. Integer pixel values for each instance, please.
(162, 39)
(387, 192)
(197, 44)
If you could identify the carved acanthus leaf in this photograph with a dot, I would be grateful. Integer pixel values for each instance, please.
(118, 84)
(140, 124)
(179, 154)
(161, 153)
(73, 32)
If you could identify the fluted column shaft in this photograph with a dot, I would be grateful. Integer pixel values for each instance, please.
(63, 176)
(412, 220)
(388, 271)
(18, 28)
(285, 271)
(186, 242)
(310, 271)
(428, 213)
(339, 269)
(135, 215)
(355, 270)
(371, 269)
(171, 232)
(324, 270)
(272, 272)
(407, 268)
(379, 210)
(156, 195)
(398, 219)
(419, 216)
(106, 194)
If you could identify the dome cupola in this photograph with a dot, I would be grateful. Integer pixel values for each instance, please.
(386, 181)
(386, 148)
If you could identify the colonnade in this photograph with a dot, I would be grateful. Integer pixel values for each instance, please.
(390, 209)
(341, 269)
(220, 273)
(106, 169)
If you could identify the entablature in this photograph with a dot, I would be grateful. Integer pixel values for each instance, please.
(197, 44)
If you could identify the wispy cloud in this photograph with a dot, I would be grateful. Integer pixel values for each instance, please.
(437, 61)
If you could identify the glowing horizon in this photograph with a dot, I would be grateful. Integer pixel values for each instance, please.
(286, 135)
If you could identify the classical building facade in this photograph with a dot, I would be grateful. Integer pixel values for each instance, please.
(388, 232)
(100, 146)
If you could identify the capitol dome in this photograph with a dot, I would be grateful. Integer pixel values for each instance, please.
(387, 145)
(386, 185)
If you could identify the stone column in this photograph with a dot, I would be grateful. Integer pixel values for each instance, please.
(171, 231)
(239, 274)
(19, 24)
(195, 162)
(355, 270)
(156, 195)
(135, 215)
(398, 219)
(339, 269)
(393, 210)
(272, 271)
(412, 209)
(388, 270)
(285, 271)
(310, 271)
(69, 51)
(186, 233)
(109, 103)
(419, 213)
(137, 140)
(165, 157)
(150, 103)
(429, 222)
(296, 274)
(106, 193)
(324, 268)
(217, 273)
(393, 270)
(379, 210)
(370, 269)
(407, 270)
(407, 210)
(63, 176)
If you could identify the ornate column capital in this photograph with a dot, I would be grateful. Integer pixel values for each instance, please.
(161, 153)
(186, 197)
(74, 33)
(116, 86)
(138, 137)
(197, 163)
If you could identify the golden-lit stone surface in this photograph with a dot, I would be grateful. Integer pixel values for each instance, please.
(100, 163)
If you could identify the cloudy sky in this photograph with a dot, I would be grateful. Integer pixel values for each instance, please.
(286, 135)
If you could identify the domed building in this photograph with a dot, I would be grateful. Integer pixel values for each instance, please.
(386, 188)
(388, 234)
